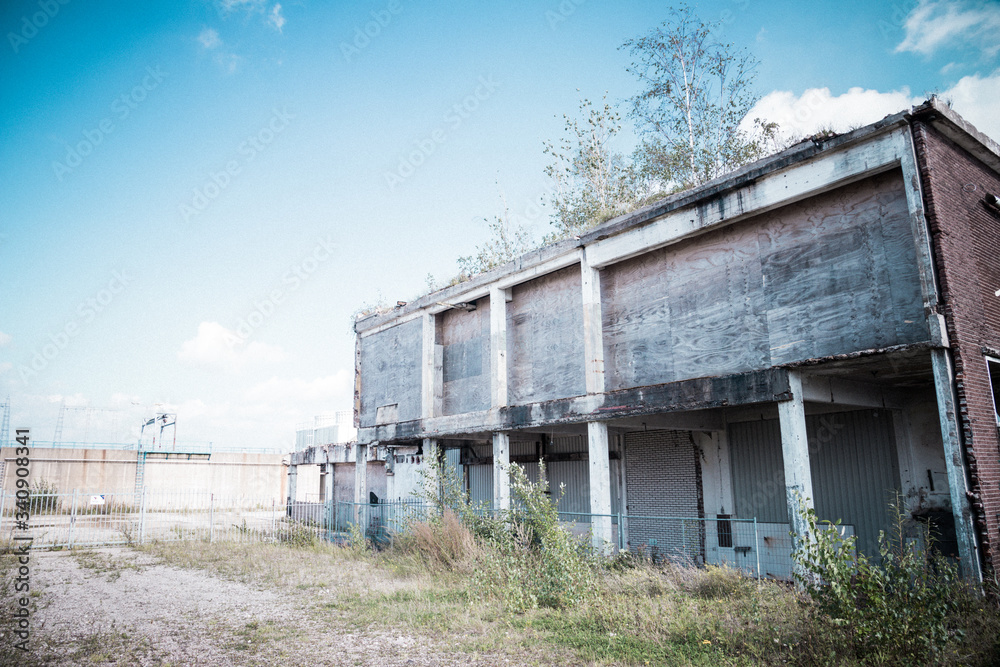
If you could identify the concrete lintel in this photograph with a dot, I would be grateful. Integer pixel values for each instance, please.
(501, 471)
(954, 458)
(839, 391)
(600, 485)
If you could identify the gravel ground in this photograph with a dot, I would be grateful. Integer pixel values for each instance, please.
(118, 606)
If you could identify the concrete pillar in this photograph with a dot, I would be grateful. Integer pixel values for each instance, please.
(795, 455)
(330, 500)
(600, 486)
(360, 483)
(954, 459)
(498, 346)
(431, 480)
(501, 471)
(431, 369)
(292, 486)
(593, 332)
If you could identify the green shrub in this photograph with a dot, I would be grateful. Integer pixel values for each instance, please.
(900, 608)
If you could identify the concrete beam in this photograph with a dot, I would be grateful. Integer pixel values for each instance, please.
(501, 471)
(795, 456)
(593, 329)
(954, 459)
(498, 346)
(824, 172)
(600, 486)
(748, 388)
(838, 391)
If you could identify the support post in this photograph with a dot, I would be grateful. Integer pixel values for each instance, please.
(328, 497)
(432, 484)
(954, 458)
(593, 332)
(600, 486)
(498, 346)
(795, 455)
(501, 471)
(293, 474)
(360, 484)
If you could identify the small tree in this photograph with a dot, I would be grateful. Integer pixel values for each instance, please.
(593, 182)
(508, 240)
(697, 94)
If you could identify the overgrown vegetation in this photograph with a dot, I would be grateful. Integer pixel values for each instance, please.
(906, 606)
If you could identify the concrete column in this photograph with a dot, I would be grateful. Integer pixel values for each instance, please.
(954, 459)
(331, 501)
(293, 474)
(593, 332)
(600, 486)
(501, 471)
(795, 454)
(431, 480)
(431, 370)
(360, 482)
(498, 346)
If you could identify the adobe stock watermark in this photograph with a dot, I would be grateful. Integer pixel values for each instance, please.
(264, 308)
(562, 12)
(32, 23)
(86, 312)
(122, 107)
(364, 34)
(217, 181)
(453, 119)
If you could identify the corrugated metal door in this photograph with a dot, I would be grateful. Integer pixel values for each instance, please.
(853, 463)
(481, 484)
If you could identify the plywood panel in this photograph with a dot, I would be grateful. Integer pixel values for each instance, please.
(465, 338)
(830, 275)
(391, 373)
(545, 338)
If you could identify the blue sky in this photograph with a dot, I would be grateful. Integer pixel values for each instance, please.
(196, 195)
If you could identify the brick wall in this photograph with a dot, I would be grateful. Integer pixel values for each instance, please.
(663, 479)
(966, 243)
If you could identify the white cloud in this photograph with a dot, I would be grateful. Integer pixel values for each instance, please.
(296, 390)
(229, 62)
(816, 109)
(216, 347)
(934, 24)
(5, 366)
(209, 38)
(275, 18)
(975, 98)
(5, 339)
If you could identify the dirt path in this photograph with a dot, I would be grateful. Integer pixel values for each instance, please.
(117, 606)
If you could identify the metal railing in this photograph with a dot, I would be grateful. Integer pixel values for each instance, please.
(188, 447)
(125, 517)
(78, 519)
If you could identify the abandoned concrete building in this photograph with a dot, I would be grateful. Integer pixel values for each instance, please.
(820, 328)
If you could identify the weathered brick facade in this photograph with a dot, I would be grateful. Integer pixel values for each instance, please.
(965, 238)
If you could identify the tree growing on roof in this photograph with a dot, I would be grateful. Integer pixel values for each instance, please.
(592, 181)
(697, 93)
